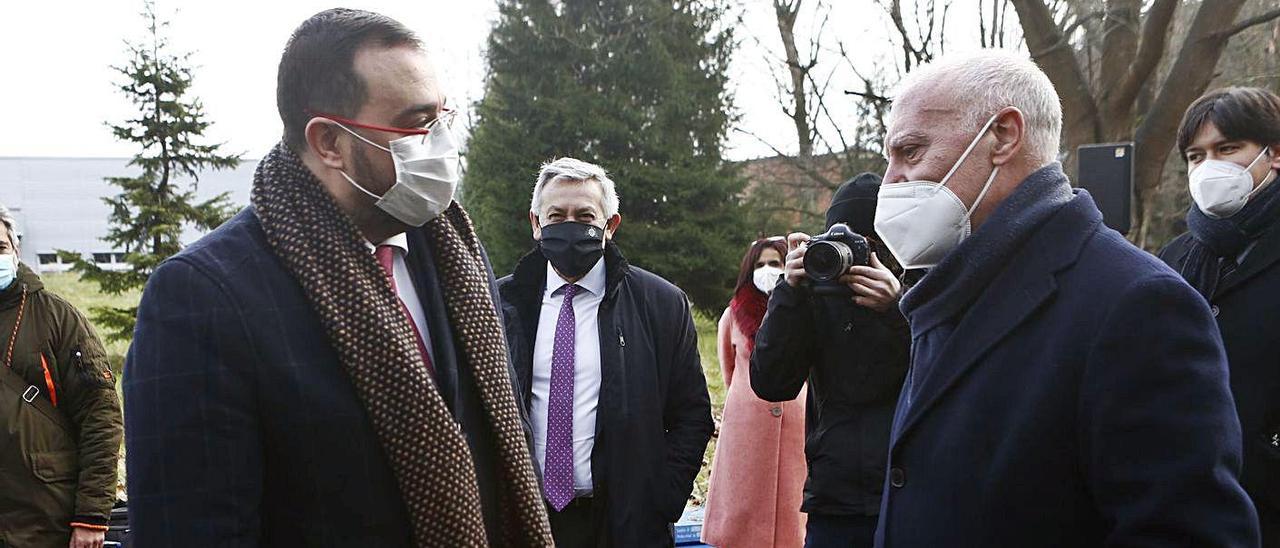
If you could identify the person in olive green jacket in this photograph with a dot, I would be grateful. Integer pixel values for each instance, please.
(60, 423)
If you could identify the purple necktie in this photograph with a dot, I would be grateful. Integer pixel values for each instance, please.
(558, 465)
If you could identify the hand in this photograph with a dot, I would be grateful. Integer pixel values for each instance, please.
(82, 537)
(873, 286)
(797, 243)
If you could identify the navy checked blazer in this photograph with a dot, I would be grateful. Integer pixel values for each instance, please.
(242, 428)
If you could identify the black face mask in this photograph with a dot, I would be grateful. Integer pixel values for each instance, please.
(573, 248)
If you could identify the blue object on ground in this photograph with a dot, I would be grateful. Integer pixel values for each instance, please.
(689, 528)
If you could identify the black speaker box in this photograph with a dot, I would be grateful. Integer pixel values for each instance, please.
(1106, 171)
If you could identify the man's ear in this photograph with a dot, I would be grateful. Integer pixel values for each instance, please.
(1010, 131)
(611, 226)
(322, 141)
(1275, 156)
(537, 230)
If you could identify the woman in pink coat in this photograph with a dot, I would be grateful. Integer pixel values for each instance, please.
(758, 472)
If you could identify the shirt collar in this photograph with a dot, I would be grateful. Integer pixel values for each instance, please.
(594, 280)
(399, 241)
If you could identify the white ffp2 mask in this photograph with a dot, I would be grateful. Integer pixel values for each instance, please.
(1221, 189)
(765, 278)
(922, 221)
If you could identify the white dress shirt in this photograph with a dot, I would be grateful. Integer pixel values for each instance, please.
(405, 288)
(586, 371)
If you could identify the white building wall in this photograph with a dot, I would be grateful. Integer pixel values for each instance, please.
(58, 203)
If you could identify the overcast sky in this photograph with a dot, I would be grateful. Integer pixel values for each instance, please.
(59, 87)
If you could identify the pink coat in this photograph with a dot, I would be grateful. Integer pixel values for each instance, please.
(758, 472)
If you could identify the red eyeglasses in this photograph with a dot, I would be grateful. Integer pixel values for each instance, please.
(445, 116)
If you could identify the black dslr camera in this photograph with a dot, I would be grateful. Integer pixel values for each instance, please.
(830, 256)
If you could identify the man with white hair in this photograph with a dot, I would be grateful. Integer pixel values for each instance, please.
(1066, 389)
(607, 361)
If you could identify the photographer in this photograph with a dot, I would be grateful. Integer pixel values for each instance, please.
(847, 338)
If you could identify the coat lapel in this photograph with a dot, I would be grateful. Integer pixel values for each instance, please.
(1264, 254)
(523, 296)
(1022, 288)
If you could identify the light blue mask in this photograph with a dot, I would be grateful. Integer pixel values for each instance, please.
(8, 270)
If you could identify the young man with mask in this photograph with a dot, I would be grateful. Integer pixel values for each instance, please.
(852, 350)
(1230, 139)
(607, 357)
(1066, 388)
(292, 383)
(59, 415)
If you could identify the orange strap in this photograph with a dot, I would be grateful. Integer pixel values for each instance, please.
(48, 380)
(90, 526)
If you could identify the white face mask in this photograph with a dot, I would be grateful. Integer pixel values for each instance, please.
(1221, 189)
(922, 221)
(766, 278)
(426, 175)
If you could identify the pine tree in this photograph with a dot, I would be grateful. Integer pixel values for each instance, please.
(148, 215)
(638, 87)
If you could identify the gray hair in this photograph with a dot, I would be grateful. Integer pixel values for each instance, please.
(10, 224)
(571, 169)
(991, 79)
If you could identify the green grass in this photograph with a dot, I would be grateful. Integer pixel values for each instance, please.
(85, 296)
(715, 385)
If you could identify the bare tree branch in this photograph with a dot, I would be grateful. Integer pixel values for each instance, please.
(1042, 34)
(1189, 76)
(1119, 40)
(796, 162)
(869, 96)
(822, 108)
(1247, 23)
(1004, 12)
(879, 103)
(1154, 32)
(786, 13)
(982, 27)
(1071, 29)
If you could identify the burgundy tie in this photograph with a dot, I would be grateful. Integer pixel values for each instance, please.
(386, 256)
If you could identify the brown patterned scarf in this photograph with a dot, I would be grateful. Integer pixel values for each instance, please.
(375, 344)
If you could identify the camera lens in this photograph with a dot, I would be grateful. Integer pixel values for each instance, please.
(826, 260)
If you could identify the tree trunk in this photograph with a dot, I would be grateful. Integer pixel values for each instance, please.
(1190, 75)
(800, 110)
(1052, 52)
(1119, 43)
(1124, 89)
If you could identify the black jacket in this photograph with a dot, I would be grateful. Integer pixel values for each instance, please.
(243, 429)
(1247, 307)
(653, 421)
(854, 360)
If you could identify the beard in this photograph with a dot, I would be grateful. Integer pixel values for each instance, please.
(363, 172)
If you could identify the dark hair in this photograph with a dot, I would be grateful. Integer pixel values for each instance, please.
(748, 268)
(317, 71)
(1244, 114)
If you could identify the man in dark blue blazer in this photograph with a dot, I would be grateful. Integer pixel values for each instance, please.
(292, 384)
(1066, 388)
